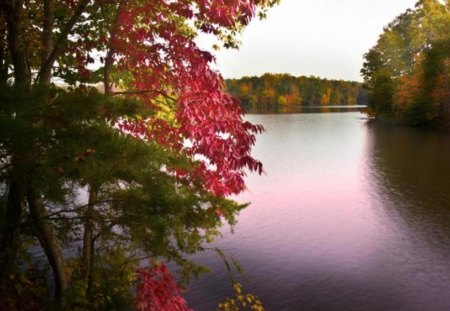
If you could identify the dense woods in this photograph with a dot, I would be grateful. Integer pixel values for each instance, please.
(97, 182)
(272, 90)
(407, 73)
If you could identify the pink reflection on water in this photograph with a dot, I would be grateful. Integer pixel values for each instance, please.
(316, 209)
(331, 227)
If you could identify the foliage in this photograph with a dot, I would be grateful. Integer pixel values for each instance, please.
(241, 301)
(271, 90)
(24, 291)
(141, 169)
(158, 291)
(406, 72)
(112, 277)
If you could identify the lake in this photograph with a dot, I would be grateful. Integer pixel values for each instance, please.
(350, 215)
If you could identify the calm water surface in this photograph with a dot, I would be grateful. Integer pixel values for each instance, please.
(349, 216)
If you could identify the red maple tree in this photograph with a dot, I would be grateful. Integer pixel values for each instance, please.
(164, 61)
(146, 50)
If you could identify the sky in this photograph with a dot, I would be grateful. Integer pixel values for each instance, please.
(325, 38)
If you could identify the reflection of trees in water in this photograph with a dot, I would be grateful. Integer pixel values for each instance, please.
(411, 171)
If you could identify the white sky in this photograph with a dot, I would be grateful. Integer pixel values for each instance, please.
(325, 38)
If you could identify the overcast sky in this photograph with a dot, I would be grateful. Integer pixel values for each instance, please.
(325, 38)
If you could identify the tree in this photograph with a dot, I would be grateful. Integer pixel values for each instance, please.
(163, 109)
(401, 72)
(326, 97)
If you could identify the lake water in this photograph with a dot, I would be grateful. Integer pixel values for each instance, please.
(349, 216)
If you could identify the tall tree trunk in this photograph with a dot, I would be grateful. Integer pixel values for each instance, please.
(4, 60)
(47, 39)
(109, 59)
(10, 237)
(13, 11)
(3, 67)
(107, 71)
(49, 241)
(88, 238)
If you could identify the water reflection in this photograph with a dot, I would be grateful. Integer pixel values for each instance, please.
(409, 173)
(348, 217)
(270, 109)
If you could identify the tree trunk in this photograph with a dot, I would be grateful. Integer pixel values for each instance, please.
(49, 241)
(10, 238)
(88, 238)
(109, 59)
(47, 39)
(13, 10)
(4, 62)
(106, 71)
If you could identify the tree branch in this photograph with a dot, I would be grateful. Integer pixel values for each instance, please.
(141, 92)
(61, 41)
(109, 55)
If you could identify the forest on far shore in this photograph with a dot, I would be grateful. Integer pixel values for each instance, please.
(272, 90)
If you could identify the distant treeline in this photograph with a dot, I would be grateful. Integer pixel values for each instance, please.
(271, 90)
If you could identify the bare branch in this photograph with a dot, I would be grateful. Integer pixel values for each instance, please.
(61, 41)
(141, 92)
